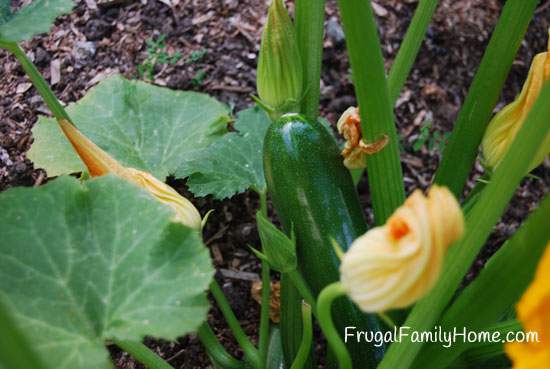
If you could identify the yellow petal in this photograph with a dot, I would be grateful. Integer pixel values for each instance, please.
(96, 160)
(185, 211)
(100, 163)
(503, 128)
(532, 312)
(394, 265)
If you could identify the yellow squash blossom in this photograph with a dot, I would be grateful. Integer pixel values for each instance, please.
(534, 313)
(394, 265)
(100, 163)
(355, 149)
(506, 124)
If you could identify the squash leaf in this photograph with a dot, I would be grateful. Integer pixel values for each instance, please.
(142, 126)
(83, 263)
(35, 18)
(234, 162)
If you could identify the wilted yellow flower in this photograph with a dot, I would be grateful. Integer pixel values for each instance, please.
(533, 312)
(100, 163)
(504, 127)
(279, 77)
(355, 149)
(394, 265)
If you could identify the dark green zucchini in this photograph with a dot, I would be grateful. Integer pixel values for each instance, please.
(312, 190)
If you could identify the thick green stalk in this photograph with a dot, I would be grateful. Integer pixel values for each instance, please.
(324, 305)
(410, 46)
(251, 353)
(309, 19)
(216, 351)
(37, 80)
(15, 349)
(461, 151)
(143, 354)
(377, 119)
(406, 56)
(479, 223)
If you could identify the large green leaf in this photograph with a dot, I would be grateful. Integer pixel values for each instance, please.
(35, 18)
(234, 163)
(141, 125)
(82, 263)
(15, 350)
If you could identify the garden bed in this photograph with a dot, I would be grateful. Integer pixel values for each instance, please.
(98, 40)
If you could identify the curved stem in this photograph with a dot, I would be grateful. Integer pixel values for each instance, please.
(143, 354)
(216, 351)
(324, 304)
(37, 80)
(307, 338)
(251, 353)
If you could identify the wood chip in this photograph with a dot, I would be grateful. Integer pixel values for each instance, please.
(23, 87)
(55, 72)
(91, 4)
(243, 276)
(379, 10)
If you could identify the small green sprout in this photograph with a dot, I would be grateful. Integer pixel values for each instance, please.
(156, 55)
(430, 140)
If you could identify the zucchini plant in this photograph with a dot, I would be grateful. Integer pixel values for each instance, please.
(106, 253)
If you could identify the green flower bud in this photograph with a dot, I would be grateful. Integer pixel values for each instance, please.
(279, 77)
(278, 250)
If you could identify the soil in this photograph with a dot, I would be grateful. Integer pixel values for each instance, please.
(100, 39)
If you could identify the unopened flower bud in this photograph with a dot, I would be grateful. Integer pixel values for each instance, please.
(277, 249)
(100, 163)
(279, 77)
(504, 127)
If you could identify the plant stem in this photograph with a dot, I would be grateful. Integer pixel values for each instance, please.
(461, 151)
(324, 304)
(299, 282)
(377, 119)
(387, 320)
(37, 80)
(264, 313)
(307, 338)
(266, 290)
(216, 351)
(251, 353)
(309, 19)
(406, 56)
(409, 47)
(143, 354)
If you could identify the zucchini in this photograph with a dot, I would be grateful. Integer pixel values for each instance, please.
(312, 190)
